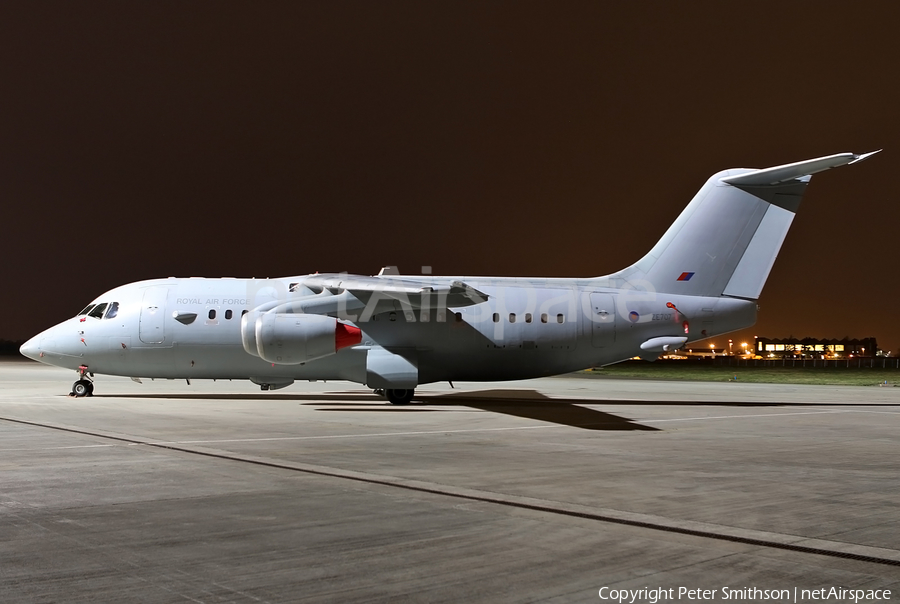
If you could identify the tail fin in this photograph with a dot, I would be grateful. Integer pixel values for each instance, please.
(727, 238)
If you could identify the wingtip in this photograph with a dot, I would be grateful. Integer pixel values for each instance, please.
(862, 156)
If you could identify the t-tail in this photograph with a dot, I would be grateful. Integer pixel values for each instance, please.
(726, 240)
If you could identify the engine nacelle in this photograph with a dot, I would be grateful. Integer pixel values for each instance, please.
(291, 338)
(248, 331)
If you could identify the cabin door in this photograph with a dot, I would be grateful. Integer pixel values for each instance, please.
(603, 320)
(153, 315)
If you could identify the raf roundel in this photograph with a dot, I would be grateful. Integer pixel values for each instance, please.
(633, 316)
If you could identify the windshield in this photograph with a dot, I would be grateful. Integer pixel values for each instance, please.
(98, 311)
(113, 310)
(86, 310)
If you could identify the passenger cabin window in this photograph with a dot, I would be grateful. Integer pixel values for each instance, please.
(560, 318)
(528, 317)
(458, 316)
(512, 317)
(244, 312)
(98, 310)
(113, 311)
(543, 317)
(228, 314)
(212, 313)
(496, 317)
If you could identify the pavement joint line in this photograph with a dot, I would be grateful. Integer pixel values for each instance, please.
(278, 438)
(753, 537)
(423, 432)
(56, 448)
(880, 412)
(688, 419)
(328, 436)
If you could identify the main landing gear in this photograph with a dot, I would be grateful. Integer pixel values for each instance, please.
(401, 396)
(396, 396)
(84, 386)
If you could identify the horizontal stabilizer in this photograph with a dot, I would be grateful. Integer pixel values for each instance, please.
(787, 172)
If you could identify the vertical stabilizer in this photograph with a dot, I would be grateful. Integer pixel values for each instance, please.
(727, 238)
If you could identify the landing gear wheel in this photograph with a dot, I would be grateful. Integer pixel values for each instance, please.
(82, 388)
(399, 396)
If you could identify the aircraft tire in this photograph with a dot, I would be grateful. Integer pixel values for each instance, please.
(82, 388)
(399, 396)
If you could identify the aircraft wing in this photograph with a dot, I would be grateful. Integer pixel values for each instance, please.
(452, 295)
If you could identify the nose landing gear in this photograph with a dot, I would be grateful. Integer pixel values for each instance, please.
(84, 386)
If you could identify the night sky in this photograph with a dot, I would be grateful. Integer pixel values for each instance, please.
(142, 140)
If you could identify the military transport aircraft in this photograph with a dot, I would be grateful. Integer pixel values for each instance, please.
(393, 333)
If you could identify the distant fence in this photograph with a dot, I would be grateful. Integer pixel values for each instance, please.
(848, 363)
(726, 361)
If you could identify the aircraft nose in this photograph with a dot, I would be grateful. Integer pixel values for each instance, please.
(55, 346)
(31, 349)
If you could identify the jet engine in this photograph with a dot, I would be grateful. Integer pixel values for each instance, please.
(294, 338)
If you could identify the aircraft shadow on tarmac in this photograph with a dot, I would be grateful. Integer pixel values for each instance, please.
(528, 404)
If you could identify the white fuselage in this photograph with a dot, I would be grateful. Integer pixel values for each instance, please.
(526, 328)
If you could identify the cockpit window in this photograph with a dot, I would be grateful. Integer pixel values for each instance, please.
(113, 310)
(98, 310)
(86, 310)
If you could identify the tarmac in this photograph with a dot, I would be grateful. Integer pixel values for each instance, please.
(536, 491)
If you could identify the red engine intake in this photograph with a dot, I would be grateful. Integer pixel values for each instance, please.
(346, 335)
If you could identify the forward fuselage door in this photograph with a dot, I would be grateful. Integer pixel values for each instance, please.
(153, 315)
(603, 320)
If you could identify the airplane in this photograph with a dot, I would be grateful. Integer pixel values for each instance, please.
(395, 332)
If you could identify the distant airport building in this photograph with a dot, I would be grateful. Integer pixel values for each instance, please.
(812, 348)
